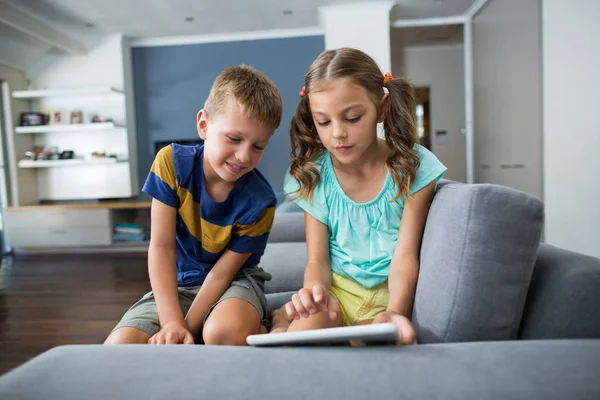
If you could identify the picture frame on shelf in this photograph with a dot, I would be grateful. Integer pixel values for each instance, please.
(76, 117)
(57, 117)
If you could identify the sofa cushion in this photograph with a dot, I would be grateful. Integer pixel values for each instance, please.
(286, 263)
(564, 297)
(287, 227)
(477, 255)
(549, 370)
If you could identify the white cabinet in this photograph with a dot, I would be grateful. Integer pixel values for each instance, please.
(58, 227)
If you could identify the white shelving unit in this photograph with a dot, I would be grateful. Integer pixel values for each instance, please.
(83, 177)
(67, 163)
(92, 127)
(67, 92)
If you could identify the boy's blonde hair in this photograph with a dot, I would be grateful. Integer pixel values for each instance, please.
(252, 90)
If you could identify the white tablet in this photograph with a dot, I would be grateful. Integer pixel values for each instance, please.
(372, 333)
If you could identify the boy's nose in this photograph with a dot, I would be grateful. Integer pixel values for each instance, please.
(243, 156)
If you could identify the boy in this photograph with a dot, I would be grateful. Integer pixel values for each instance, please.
(210, 218)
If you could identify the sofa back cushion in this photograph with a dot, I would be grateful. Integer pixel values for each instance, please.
(563, 300)
(477, 256)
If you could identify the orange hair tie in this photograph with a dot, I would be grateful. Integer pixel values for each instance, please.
(386, 78)
(303, 91)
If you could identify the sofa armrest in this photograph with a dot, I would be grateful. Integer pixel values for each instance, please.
(563, 299)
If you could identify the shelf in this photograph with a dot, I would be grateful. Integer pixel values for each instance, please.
(66, 163)
(98, 126)
(84, 91)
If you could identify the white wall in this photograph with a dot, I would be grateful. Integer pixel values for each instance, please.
(508, 94)
(364, 26)
(571, 100)
(16, 80)
(441, 68)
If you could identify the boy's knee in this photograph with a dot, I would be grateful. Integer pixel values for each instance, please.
(127, 335)
(226, 333)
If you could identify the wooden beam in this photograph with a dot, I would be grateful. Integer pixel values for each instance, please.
(38, 29)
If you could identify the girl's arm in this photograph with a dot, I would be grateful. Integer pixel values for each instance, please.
(163, 275)
(317, 270)
(314, 296)
(404, 269)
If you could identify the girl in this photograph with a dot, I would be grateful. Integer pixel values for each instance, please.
(365, 199)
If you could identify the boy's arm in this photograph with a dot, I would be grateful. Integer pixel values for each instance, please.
(246, 239)
(162, 263)
(216, 283)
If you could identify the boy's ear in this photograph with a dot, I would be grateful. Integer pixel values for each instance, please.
(202, 123)
(382, 110)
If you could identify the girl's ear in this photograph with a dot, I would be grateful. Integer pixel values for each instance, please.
(382, 109)
(202, 123)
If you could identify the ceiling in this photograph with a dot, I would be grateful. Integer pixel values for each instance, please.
(89, 21)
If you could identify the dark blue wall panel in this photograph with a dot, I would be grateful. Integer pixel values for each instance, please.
(171, 84)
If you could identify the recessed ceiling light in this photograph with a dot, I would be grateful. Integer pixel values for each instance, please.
(287, 12)
(189, 19)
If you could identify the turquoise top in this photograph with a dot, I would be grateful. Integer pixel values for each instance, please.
(362, 236)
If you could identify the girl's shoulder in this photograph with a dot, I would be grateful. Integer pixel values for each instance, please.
(430, 168)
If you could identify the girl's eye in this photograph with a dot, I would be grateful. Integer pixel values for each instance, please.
(324, 123)
(353, 120)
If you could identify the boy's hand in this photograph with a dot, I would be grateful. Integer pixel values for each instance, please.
(405, 329)
(172, 333)
(310, 301)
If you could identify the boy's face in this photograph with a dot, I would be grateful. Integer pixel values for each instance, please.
(233, 142)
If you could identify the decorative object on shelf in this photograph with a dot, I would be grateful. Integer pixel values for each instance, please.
(95, 119)
(67, 155)
(57, 117)
(33, 119)
(76, 117)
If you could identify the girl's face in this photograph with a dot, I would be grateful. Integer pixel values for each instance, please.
(346, 119)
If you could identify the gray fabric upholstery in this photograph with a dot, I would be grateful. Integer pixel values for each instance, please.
(564, 296)
(287, 227)
(463, 371)
(286, 262)
(477, 257)
(276, 300)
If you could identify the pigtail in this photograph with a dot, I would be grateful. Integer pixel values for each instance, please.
(400, 135)
(306, 146)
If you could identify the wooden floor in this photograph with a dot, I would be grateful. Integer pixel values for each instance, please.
(52, 300)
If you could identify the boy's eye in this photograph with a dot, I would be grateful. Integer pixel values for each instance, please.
(259, 148)
(353, 120)
(234, 139)
(322, 123)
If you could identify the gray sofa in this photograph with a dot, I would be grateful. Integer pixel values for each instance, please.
(498, 316)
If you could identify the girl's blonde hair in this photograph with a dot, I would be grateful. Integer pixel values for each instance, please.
(399, 124)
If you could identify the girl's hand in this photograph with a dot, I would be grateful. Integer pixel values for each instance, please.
(405, 329)
(311, 301)
(172, 333)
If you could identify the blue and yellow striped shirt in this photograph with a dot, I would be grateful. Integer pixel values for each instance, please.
(205, 227)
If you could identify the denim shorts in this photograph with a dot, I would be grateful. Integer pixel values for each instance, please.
(248, 284)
